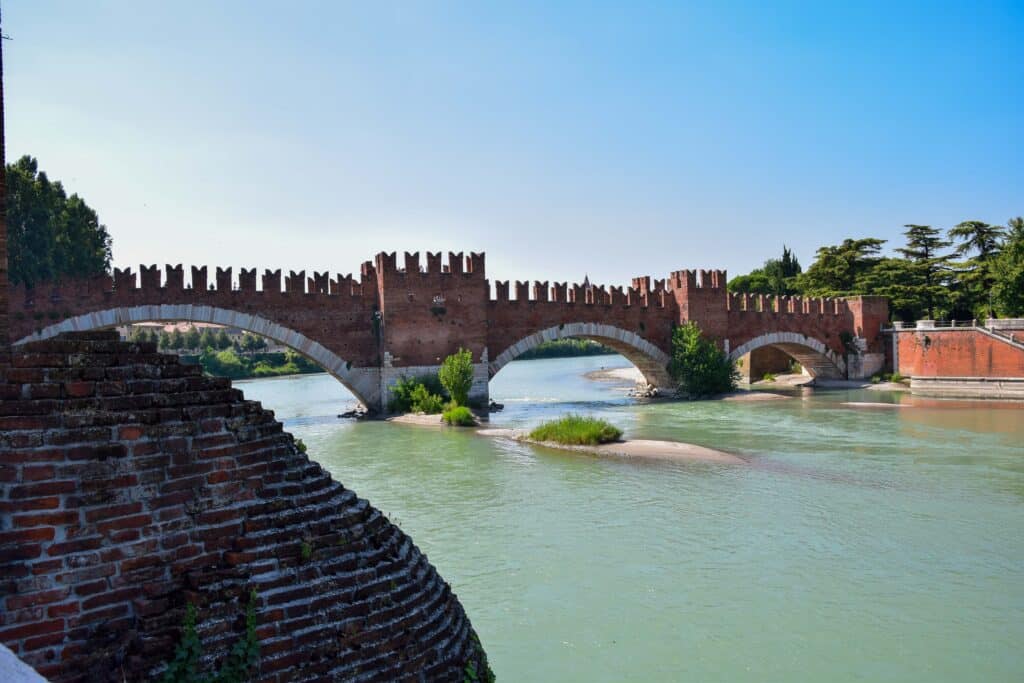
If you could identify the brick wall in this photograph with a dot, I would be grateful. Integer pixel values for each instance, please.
(957, 353)
(412, 315)
(3, 216)
(130, 484)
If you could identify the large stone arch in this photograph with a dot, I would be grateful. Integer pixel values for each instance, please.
(364, 383)
(818, 359)
(648, 358)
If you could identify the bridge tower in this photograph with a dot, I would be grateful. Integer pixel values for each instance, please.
(428, 312)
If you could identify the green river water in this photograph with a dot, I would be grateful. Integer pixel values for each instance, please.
(857, 544)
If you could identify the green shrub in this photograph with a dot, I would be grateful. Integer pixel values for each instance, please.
(875, 379)
(402, 391)
(897, 377)
(769, 377)
(576, 430)
(459, 416)
(425, 402)
(700, 367)
(456, 375)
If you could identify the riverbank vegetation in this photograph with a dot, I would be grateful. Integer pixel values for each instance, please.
(456, 375)
(230, 363)
(576, 430)
(973, 270)
(422, 394)
(699, 367)
(566, 348)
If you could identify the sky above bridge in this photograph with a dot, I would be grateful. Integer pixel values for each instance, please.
(560, 138)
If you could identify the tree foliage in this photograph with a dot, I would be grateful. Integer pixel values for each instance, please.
(456, 375)
(975, 270)
(1008, 272)
(50, 235)
(841, 270)
(698, 365)
(777, 276)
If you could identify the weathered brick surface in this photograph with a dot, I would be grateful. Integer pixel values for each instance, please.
(957, 353)
(117, 509)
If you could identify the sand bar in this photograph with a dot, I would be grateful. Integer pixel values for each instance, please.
(629, 448)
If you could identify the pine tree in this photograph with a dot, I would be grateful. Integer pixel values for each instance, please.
(930, 269)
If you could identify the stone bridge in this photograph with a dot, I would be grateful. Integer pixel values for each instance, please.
(397, 320)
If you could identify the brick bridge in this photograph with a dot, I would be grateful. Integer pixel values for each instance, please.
(398, 320)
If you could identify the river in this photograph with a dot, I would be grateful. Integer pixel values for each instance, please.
(858, 544)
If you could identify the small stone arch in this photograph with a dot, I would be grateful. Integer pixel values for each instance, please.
(818, 359)
(364, 383)
(651, 361)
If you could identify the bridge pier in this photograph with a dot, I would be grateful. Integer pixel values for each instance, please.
(389, 375)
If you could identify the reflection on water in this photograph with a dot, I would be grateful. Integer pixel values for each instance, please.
(859, 543)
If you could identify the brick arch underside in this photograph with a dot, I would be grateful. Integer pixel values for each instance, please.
(651, 361)
(817, 358)
(363, 383)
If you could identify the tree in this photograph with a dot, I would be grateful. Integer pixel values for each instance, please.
(1008, 271)
(222, 340)
(929, 271)
(777, 277)
(841, 270)
(50, 235)
(456, 375)
(974, 276)
(191, 338)
(206, 340)
(176, 342)
(698, 365)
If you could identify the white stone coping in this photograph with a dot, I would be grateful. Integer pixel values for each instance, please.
(364, 383)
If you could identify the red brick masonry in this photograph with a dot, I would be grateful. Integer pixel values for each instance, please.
(413, 316)
(958, 353)
(130, 484)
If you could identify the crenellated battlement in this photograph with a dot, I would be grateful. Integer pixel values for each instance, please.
(744, 302)
(697, 279)
(472, 266)
(640, 295)
(171, 279)
(413, 309)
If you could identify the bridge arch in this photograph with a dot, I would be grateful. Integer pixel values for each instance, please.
(818, 359)
(651, 361)
(364, 383)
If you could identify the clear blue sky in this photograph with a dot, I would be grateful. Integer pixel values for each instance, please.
(561, 138)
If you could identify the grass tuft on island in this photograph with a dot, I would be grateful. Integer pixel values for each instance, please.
(576, 430)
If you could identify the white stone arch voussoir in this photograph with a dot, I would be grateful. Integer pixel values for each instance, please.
(362, 382)
(648, 358)
(818, 359)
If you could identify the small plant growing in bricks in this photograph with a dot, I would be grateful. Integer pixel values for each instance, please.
(243, 658)
(305, 551)
(300, 445)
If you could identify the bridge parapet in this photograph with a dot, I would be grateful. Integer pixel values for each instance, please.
(745, 302)
(581, 294)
